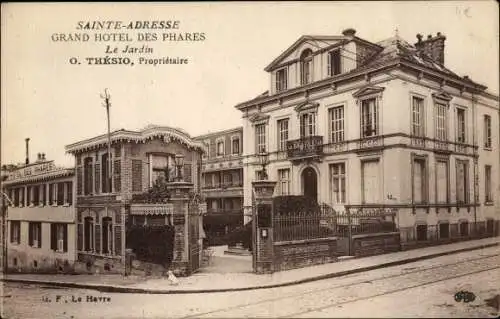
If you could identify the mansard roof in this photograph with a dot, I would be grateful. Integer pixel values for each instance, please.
(168, 134)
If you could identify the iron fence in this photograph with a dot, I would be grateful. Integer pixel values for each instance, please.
(366, 220)
(319, 222)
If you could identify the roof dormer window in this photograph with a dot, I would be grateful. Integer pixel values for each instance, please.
(306, 66)
(281, 80)
(334, 63)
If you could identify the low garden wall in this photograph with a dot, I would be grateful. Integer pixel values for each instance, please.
(375, 244)
(301, 253)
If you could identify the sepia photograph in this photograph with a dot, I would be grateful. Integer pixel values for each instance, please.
(236, 159)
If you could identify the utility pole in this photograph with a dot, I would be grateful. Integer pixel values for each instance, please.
(107, 105)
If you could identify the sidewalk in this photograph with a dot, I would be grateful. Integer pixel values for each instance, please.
(222, 282)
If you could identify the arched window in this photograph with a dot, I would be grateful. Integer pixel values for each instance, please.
(88, 233)
(306, 66)
(107, 235)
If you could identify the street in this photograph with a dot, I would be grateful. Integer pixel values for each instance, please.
(421, 289)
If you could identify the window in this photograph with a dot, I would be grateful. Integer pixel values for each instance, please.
(487, 131)
(462, 181)
(441, 122)
(228, 179)
(43, 199)
(487, 184)
(60, 194)
(220, 148)
(337, 180)
(206, 143)
(88, 233)
(307, 124)
(163, 168)
(59, 237)
(259, 175)
(306, 61)
(260, 138)
(334, 63)
(106, 176)
(15, 231)
(369, 118)
(442, 184)
(282, 134)
(35, 235)
(21, 197)
(417, 119)
(370, 181)
(444, 230)
(16, 197)
(235, 146)
(464, 229)
(36, 195)
(284, 181)
(421, 232)
(461, 125)
(281, 80)
(29, 198)
(336, 121)
(88, 174)
(107, 235)
(419, 180)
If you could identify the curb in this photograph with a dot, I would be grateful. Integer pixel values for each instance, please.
(124, 289)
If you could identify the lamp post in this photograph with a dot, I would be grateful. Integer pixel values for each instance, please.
(179, 163)
(263, 160)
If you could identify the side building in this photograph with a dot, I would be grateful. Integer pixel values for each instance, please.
(222, 182)
(106, 183)
(350, 122)
(40, 219)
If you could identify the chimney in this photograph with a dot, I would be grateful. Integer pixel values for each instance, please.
(350, 32)
(38, 157)
(432, 46)
(27, 151)
(43, 156)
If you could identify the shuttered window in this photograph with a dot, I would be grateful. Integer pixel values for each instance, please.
(462, 181)
(370, 181)
(35, 235)
(442, 181)
(419, 180)
(88, 234)
(59, 237)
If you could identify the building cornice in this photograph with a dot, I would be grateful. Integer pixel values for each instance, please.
(168, 134)
(55, 174)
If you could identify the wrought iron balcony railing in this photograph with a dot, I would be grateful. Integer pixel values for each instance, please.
(305, 147)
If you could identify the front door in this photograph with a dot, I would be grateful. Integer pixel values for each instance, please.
(310, 183)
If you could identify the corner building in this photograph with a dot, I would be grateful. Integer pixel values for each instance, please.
(348, 121)
(138, 159)
(40, 217)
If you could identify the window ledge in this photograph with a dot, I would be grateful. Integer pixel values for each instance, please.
(66, 205)
(488, 149)
(489, 204)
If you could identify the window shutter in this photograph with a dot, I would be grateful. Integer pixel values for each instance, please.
(79, 180)
(97, 174)
(442, 185)
(136, 175)
(370, 182)
(80, 237)
(117, 175)
(65, 237)
(118, 239)
(39, 226)
(53, 236)
(30, 234)
(97, 237)
(329, 63)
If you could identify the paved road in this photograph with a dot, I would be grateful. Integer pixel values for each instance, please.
(421, 289)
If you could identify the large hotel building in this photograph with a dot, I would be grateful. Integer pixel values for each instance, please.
(353, 122)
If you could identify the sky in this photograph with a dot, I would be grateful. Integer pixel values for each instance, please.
(55, 103)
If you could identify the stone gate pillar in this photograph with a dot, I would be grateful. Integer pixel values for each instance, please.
(179, 197)
(262, 230)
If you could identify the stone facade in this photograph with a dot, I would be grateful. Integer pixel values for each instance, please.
(393, 127)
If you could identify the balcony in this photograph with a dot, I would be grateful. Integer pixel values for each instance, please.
(442, 146)
(418, 141)
(370, 142)
(305, 148)
(223, 190)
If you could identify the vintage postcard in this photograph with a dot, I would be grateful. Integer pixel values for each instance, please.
(250, 159)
